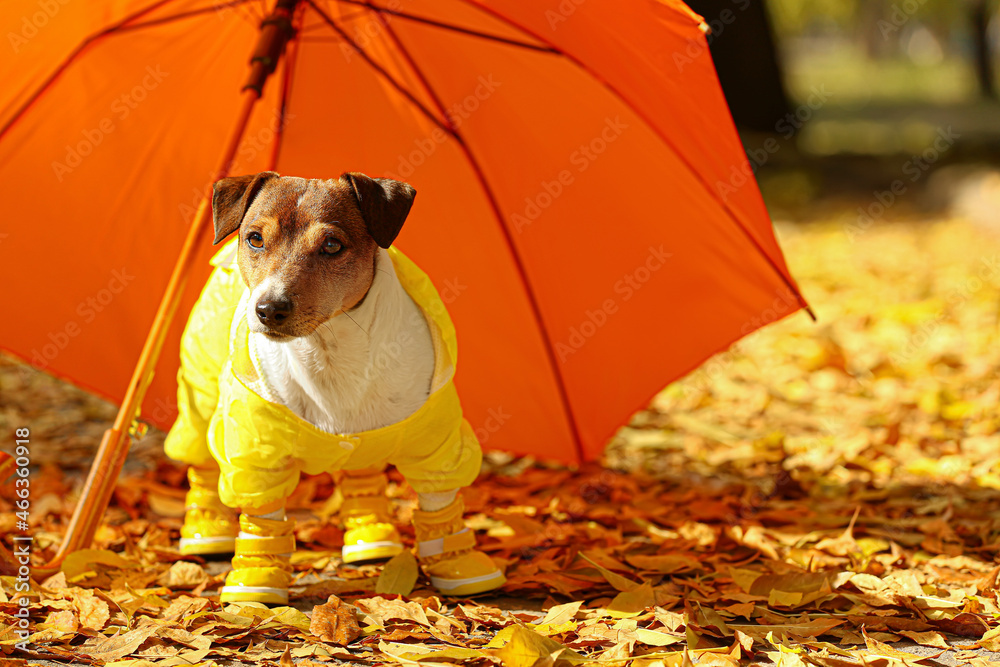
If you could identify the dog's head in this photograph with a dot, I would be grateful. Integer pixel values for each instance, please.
(307, 248)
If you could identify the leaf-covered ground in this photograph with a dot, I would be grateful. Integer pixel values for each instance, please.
(823, 493)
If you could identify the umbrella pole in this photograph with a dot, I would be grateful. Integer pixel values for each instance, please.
(276, 30)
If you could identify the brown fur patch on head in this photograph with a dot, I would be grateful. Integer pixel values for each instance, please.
(296, 222)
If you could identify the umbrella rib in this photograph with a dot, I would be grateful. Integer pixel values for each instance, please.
(288, 73)
(449, 26)
(71, 58)
(512, 248)
(683, 158)
(183, 15)
(381, 70)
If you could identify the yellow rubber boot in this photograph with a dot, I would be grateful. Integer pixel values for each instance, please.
(447, 552)
(261, 569)
(209, 526)
(367, 518)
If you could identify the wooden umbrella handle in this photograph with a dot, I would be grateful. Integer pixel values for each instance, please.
(115, 444)
(276, 31)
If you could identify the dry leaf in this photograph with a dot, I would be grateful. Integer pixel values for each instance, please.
(526, 648)
(93, 611)
(399, 575)
(109, 649)
(335, 622)
(183, 574)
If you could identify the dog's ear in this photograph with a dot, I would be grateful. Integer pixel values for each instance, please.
(231, 197)
(384, 204)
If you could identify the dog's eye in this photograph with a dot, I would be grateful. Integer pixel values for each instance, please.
(331, 247)
(255, 240)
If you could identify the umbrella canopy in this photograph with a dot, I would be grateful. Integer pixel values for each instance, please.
(584, 202)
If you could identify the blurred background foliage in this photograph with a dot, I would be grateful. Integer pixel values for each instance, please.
(838, 99)
(889, 50)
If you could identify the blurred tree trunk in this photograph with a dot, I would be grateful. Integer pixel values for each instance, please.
(877, 44)
(980, 15)
(746, 58)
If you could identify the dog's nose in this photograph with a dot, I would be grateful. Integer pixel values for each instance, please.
(273, 312)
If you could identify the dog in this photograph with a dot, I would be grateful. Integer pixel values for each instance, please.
(323, 349)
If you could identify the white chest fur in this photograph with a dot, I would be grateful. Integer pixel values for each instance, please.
(361, 370)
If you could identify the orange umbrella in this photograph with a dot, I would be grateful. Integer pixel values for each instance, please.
(585, 207)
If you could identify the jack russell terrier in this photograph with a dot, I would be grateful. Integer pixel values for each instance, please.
(322, 349)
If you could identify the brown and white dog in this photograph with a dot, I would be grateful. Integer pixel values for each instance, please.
(324, 295)
(323, 298)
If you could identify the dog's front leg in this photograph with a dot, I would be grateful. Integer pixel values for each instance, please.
(262, 571)
(447, 548)
(366, 515)
(210, 527)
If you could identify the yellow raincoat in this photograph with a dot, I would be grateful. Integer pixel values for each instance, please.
(261, 447)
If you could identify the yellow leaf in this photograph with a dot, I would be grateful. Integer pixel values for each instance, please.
(990, 640)
(931, 638)
(93, 611)
(782, 599)
(79, 562)
(183, 574)
(634, 601)
(549, 629)
(109, 649)
(665, 563)
(453, 653)
(785, 659)
(561, 613)
(501, 638)
(879, 648)
(290, 616)
(381, 610)
(182, 659)
(399, 575)
(744, 578)
(526, 648)
(618, 581)
(657, 637)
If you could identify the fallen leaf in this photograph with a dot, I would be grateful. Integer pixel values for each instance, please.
(634, 601)
(526, 648)
(77, 563)
(93, 611)
(399, 575)
(109, 649)
(930, 638)
(618, 581)
(183, 574)
(335, 621)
